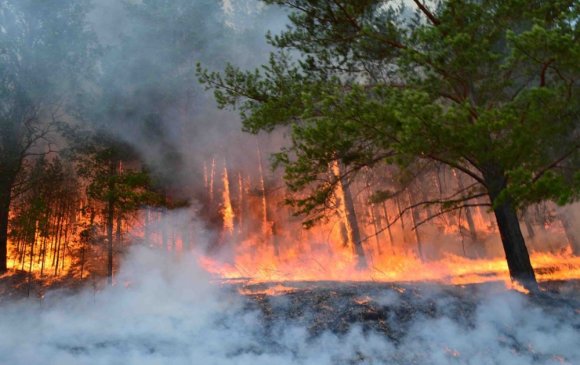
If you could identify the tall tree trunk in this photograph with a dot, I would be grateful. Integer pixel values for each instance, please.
(388, 223)
(352, 226)
(110, 223)
(147, 233)
(572, 237)
(119, 229)
(164, 232)
(529, 226)
(415, 221)
(401, 219)
(375, 228)
(4, 212)
(373, 217)
(268, 224)
(6, 183)
(32, 241)
(110, 220)
(468, 213)
(514, 245)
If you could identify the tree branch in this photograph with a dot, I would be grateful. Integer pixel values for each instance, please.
(427, 13)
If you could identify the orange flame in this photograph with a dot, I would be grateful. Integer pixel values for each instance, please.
(227, 210)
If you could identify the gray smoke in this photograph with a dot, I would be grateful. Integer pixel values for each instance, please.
(153, 100)
(166, 310)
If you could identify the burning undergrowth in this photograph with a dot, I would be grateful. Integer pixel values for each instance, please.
(165, 309)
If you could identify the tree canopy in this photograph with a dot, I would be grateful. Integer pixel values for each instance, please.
(486, 87)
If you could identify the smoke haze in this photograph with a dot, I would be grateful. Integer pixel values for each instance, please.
(166, 310)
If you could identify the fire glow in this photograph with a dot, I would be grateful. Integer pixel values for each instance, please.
(433, 253)
(258, 266)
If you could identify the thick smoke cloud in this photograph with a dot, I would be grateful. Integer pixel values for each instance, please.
(166, 310)
(152, 99)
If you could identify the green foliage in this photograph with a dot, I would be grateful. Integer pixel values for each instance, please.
(487, 87)
(102, 163)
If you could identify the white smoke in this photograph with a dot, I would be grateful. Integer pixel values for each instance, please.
(165, 309)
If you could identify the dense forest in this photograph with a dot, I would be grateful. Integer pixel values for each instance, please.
(485, 89)
(292, 182)
(413, 130)
(79, 99)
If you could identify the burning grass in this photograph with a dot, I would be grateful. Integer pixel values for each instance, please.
(174, 313)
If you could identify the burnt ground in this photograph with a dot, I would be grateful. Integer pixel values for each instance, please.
(299, 323)
(391, 309)
(17, 285)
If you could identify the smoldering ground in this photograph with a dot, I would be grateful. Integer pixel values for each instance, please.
(165, 309)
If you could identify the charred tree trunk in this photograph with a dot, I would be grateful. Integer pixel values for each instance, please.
(514, 245)
(4, 212)
(6, 183)
(110, 220)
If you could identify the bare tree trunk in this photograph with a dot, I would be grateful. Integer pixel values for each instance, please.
(32, 241)
(402, 219)
(147, 232)
(349, 215)
(163, 230)
(352, 222)
(119, 230)
(572, 237)
(211, 183)
(389, 232)
(415, 220)
(468, 213)
(82, 259)
(6, 183)
(376, 228)
(240, 202)
(56, 258)
(110, 219)
(269, 226)
(529, 226)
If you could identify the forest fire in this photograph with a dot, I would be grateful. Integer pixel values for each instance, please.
(259, 241)
(371, 182)
(265, 244)
(260, 267)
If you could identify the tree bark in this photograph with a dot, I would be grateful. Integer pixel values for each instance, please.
(110, 220)
(415, 220)
(352, 226)
(402, 219)
(514, 245)
(389, 232)
(4, 212)
(6, 183)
